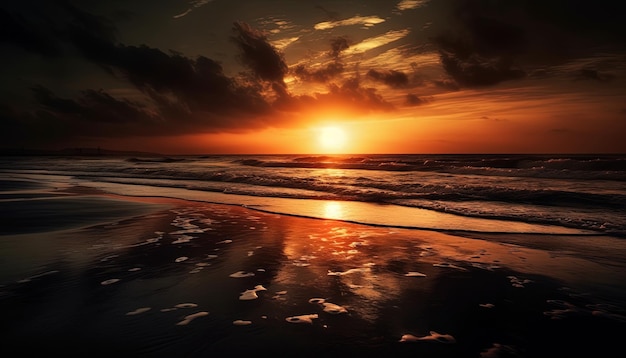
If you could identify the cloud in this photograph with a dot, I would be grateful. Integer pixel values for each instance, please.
(378, 41)
(483, 42)
(325, 73)
(172, 93)
(588, 73)
(413, 100)
(330, 14)
(367, 21)
(394, 79)
(338, 45)
(351, 96)
(484, 54)
(93, 106)
(404, 5)
(18, 31)
(193, 5)
(259, 55)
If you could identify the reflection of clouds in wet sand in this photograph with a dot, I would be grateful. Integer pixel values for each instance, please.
(390, 274)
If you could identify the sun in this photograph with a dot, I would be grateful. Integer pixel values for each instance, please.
(332, 139)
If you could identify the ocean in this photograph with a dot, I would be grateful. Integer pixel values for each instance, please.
(225, 255)
(543, 194)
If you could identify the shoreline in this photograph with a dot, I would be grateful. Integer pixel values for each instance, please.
(176, 273)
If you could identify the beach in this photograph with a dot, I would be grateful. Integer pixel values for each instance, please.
(93, 273)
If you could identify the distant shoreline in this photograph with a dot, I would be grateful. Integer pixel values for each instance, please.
(78, 151)
(97, 151)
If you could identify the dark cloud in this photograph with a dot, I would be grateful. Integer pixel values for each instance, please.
(259, 55)
(17, 30)
(484, 42)
(588, 73)
(476, 70)
(323, 75)
(413, 100)
(484, 54)
(392, 78)
(332, 15)
(353, 95)
(93, 106)
(171, 93)
(328, 71)
(337, 46)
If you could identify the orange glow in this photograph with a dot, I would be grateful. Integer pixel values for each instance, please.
(332, 139)
(333, 210)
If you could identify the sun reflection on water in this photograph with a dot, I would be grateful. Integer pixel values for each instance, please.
(333, 210)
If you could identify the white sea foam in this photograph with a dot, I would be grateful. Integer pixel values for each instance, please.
(433, 336)
(182, 239)
(241, 274)
(518, 282)
(138, 311)
(109, 281)
(306, 318)
(28, 279)
(415, 274)
(449, 265)
(187, 319)
(252, 293)
(499, 350)
(348, 272)
(240, 322)
(186, 305)
(328, 306)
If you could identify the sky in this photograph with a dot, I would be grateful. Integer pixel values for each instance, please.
(290, 77)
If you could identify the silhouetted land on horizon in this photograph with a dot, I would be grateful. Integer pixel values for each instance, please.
(89, 152)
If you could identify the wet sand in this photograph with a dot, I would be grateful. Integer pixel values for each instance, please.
(104, 275)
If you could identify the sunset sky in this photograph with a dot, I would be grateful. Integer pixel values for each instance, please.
(270, 76)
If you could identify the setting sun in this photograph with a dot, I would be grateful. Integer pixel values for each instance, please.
(332, 139)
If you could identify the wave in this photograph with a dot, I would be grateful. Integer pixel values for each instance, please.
(574, 167)
(155, 160)
(573, 191)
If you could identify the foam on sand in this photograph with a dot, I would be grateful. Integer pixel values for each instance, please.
(433, 336)
(180, 305)
(499, 350)
(251, 294)
(414, 274)
(240, 322)
(449, 265)
(328, 306)
(138, 311)
(191, 317)
(306, 318)
(186, 305)
(109, 281)
(241, 274)
(347, 272)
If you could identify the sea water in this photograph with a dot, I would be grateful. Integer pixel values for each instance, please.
(550, 194)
